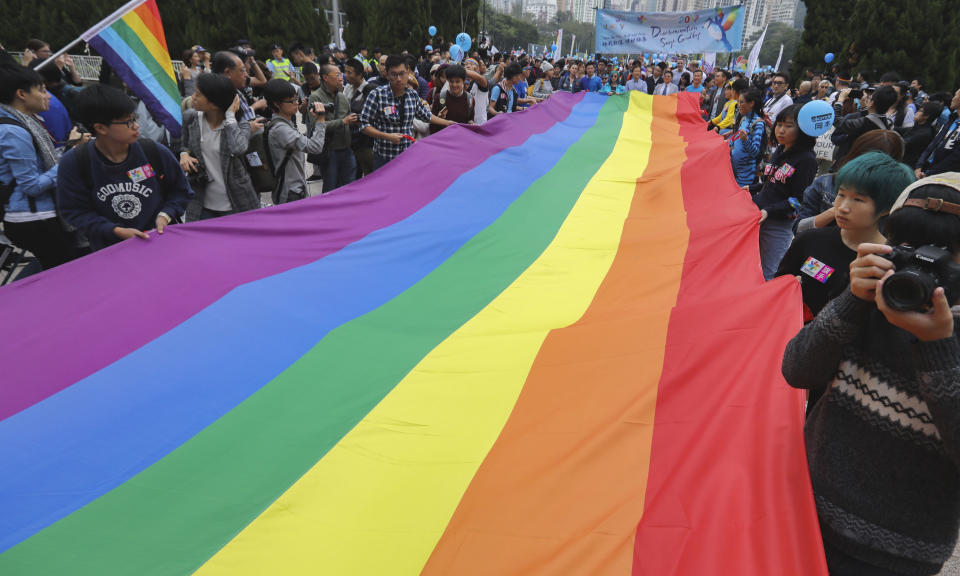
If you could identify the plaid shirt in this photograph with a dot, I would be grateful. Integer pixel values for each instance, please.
(392, 115)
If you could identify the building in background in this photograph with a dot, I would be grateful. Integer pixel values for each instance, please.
(543, 10)
(585, 11)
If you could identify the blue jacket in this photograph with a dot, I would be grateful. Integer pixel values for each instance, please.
(817, 198)
(57, 121)
(745, 152)
(20, 161)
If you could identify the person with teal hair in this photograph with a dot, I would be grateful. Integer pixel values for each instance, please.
(866, 188)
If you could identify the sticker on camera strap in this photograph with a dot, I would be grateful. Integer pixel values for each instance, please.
(253, 159)
(817, 270)
(140, 173)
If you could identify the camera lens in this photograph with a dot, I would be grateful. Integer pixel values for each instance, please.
(909, 290)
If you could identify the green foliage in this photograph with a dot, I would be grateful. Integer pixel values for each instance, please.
(394, 26)
(214, 24)
(777, 33)
(508, 32)
(915, 38)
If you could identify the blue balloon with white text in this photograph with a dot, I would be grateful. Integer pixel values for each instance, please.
(815, 118)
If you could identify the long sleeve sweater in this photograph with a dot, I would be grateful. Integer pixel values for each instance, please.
(883, 443)
(745, 150)
(786, 176)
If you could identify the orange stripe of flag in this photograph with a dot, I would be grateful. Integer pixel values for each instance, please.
(563, 488)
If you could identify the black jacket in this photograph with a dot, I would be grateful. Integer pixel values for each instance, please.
(916, 141)
(850, 127)
(942, 154)
(786, 176)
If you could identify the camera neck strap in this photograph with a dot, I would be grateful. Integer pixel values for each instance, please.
(934, 205)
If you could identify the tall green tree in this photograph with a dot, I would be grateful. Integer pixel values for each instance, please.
(394, 26)
(915, 38)
(214, 24)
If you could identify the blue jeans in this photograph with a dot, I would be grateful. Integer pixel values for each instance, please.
(775, 238)
(340, 169)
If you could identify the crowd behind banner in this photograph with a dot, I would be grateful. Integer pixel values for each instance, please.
(871, 228)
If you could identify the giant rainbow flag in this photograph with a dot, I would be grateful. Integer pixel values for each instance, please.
(132, 41)
(539, 346)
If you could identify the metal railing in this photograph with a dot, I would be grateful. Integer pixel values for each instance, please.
(88, 67)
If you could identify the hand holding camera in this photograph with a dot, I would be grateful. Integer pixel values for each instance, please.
(912, 287)
(317, 110)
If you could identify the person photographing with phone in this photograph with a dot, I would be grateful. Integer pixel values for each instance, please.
(883, 442)
(286, 145)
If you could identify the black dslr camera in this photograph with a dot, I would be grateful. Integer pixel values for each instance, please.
(201, 177)
(919, 272)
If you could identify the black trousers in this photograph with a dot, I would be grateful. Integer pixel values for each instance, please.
(45, 239)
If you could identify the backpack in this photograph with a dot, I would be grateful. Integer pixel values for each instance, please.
(277, 172)
(261, 176)
(6, 190)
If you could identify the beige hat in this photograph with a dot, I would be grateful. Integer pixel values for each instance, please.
(949, 179)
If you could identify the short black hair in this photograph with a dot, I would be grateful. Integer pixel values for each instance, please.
(309, 68)
(754, 95)
(726, 74)
(890, 77)
(456, 71)
(36, 44)
(218, 89)
(395, 60)
(355, 64)
(784, 75)
(740, 85)
(804, 140)
(276, 90)
(15, 77)
(50, 73)
(102, 104)
(223, 61)
(918, 227)
(884, 98)
(932, 110)
(512, 70)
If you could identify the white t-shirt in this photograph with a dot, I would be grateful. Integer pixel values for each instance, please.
(774, 105)
(215, 197)
(481, 100)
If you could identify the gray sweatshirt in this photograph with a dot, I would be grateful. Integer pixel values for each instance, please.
(284, 136)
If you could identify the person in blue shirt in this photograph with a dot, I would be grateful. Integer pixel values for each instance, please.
(747, 143)
(28, 169)
(118, 192)
(613, 85)
(591, 82)
(697, 85)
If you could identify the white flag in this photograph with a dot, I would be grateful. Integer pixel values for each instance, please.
(493, 50)
(755, 54)
(777, 67)
(709, 62)
(559, 43)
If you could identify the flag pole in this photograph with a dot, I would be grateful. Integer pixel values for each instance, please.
(95, 29)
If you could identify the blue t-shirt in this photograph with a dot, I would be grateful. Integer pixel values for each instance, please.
(591, 83)
(57, 121)
(620, 89)
(692, 88)
(521, 89)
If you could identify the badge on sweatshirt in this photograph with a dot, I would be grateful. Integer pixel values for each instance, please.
(817, 270)
(141, 173)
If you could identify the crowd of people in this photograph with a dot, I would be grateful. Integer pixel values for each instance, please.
(82, 168)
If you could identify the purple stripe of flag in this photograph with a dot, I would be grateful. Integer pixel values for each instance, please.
(41, 356)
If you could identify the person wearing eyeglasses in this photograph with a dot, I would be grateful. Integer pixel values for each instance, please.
(286, 144)
(389, 110)
(779, 98)
(118, 186)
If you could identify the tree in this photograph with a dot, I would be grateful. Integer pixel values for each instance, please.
(215, 24)
(507, 32)
(395, 26)
(777, 33)
(916, 38)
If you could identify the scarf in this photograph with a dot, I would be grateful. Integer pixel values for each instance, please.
(41, 137)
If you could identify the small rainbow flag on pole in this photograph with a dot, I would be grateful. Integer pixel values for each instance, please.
(131, 40)
(550, 353)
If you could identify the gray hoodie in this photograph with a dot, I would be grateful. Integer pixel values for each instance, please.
(284, 136)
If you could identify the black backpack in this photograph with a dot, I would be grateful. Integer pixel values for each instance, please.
(277, 172)
(6, 190)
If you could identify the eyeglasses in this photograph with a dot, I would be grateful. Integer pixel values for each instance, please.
(396, 75)
(297, 100)
(131, 123)
(778, 82)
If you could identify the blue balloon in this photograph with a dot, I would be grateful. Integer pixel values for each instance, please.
(456, 52)
(432, 30)
(553, 47)
(828, 57)
(428, 48)
(464, 41)
(815, 118)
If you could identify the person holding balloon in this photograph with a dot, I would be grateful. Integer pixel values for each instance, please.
(791, 169)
